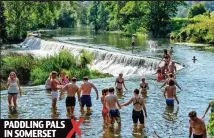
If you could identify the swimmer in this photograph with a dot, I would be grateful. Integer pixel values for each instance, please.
(170, 94)
(170, 51)
(105, 109)
(48, 83)
(197, 126)
(55, 86)
(85, 90)
(111, 101)
(13, 90)
(194, 59)
(144, 87)
(137, 113)
(171, 77)
(172, 68)
(71, 89)
(120, 83)
(166, 57)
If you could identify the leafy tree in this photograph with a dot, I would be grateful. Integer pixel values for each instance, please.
(3, 33)
(160, 13)
(196, 9)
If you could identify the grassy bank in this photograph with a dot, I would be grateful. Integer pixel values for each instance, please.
(199, 29)
(33, 71)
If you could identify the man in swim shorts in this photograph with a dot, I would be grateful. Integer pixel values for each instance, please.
(197, 126)
(71, 89)
(170, 93)
(55, 86)
(111, 101)
(85, 90)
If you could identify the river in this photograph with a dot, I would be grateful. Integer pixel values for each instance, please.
(196, 80)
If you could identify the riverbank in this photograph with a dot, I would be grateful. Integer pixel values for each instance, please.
(34, 71)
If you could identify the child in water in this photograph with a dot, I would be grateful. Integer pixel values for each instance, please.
(159, 73)
(105, 109)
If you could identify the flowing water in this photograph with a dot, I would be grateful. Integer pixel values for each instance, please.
(113, 55)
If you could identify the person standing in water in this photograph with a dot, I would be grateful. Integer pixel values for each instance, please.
(133, 42)
(166, 57)
(137, 113)
(197, 126)
(48, 83)
(85, 90)
(164, 70)
(172, 68)
(55, 86)
(13, 90)
(171, 77)
(144, 87)
(170, 51)
(105, 109)
(62, 79)
(194, 59)
(210, 126)
(111, 101)
(170, 93)
(119, 82)
(71, 89)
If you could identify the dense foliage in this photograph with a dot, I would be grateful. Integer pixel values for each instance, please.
(196, 10)
(3, 34)
(37, 71)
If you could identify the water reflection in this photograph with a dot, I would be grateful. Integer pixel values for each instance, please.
(169, 113)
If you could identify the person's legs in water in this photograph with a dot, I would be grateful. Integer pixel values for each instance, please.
(141, 120)
(134, 119)
(14, 101)
(9, 102)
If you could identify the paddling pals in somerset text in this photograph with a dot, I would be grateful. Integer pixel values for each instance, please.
(32, 128)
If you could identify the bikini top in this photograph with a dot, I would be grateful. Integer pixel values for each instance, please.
(143, 86)
(137, 101)
(119, 81)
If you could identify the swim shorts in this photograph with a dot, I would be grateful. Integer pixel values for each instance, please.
(133, 43)
(86, 100)
(54, 94)
(70, 101)
(197, 136)
(137, 115)
(114, 113)
(170, 101)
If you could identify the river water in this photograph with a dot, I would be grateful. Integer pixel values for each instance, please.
(196, 80)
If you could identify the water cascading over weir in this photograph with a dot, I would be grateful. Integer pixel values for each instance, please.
(105, 61)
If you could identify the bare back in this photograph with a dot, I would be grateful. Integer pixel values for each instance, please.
(72, 89)
(170, 91)
(111, 101)
(86, 88)
(138, 103)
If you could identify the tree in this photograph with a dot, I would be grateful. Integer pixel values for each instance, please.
(3, 33)
(160, 13)
(196, 9)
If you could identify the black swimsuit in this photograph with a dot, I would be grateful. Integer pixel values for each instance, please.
(137, 115)
(119, 89)
(143, 87)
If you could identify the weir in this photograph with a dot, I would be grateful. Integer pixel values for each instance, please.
(105, 61)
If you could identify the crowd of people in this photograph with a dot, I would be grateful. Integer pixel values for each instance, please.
(109, 99)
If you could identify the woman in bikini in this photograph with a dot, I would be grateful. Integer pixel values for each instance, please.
(144, 87)
(137, 113)
(120, 83)
(13, 90)
(105, 109)
(166, 57)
